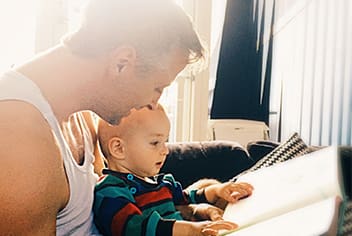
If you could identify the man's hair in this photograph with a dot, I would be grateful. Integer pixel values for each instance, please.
(152, 27)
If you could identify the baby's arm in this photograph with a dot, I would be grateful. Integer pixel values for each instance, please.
(229, 191)
(122, 217)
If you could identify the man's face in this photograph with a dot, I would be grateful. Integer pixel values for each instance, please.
(134, 90)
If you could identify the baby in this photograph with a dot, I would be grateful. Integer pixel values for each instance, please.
(132, 198)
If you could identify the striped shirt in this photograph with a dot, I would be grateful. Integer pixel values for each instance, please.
(127, 205)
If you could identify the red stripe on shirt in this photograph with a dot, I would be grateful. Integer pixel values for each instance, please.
(120, 218)
(155, 196)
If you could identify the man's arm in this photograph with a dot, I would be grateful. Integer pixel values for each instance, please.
(33, 184)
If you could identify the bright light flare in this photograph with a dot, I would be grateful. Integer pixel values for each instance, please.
(17, 24)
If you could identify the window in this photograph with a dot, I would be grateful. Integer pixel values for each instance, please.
(17, 24)
(42, 23)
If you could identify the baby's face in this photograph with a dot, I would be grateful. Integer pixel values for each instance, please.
(145, 146)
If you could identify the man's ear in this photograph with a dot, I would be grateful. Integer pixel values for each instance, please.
(122, 57)
(116, 148)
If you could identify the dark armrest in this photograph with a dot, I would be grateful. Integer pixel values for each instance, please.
(258, 149)
(191, 161)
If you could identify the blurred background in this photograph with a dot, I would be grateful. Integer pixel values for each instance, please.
(275, 66)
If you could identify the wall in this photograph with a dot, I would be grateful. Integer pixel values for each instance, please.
(311, 75)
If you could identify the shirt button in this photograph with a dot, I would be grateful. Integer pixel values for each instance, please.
(130, 177)
(133, 190)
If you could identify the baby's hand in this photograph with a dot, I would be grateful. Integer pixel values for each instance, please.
(201, 228)
(229, 191)
(204, 211)
(214, 227)
(232, 192)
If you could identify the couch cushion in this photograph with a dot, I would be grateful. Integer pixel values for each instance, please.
(293, 147)
(191, 161)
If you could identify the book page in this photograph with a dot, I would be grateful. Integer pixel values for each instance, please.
(287, 186)
(316, 219)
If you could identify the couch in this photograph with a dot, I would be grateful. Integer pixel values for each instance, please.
(221, 160)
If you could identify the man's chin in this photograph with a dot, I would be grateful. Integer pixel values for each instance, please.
(114, 121)
(117, 119)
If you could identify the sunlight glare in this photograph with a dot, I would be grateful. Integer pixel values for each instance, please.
(17, 23)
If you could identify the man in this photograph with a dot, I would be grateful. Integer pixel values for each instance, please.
(123, 55)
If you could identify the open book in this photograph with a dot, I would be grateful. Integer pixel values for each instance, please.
(302, 196)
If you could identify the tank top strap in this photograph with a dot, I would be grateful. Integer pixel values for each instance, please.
(23, 89)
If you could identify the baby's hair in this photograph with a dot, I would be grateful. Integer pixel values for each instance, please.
(107, 131)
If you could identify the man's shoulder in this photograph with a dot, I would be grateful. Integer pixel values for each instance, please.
(17, 111)
(33, 181)
(23, 127)
(26, 137)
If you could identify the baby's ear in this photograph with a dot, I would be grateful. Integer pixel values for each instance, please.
(116, 148)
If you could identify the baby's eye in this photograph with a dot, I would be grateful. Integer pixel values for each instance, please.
(154, 143)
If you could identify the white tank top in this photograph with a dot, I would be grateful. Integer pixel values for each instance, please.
(77, 217)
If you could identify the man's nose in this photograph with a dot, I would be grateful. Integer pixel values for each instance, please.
(158, 94)
(153, 105)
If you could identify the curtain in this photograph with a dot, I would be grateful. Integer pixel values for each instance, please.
(242, 86)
